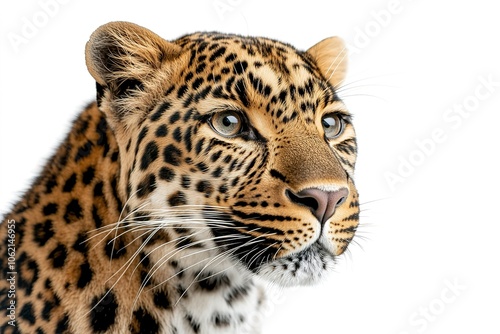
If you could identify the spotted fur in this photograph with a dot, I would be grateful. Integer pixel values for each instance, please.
(154, 217)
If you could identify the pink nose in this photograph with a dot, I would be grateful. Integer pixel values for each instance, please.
(322, 203)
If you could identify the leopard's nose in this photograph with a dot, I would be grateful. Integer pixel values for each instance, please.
(322, 203)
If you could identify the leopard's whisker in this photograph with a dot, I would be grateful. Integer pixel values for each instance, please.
(276, 253)
(164, 259)
(221, 255)
(169, 255)
(262, 251)
(343, 54)
(198, 275)
(122, 269)
(345, 97)
(140, 207)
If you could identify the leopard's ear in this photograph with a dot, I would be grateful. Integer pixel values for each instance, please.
(121, 51)
(330, 56)
(125, 59)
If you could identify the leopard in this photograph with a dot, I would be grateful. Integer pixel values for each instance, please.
(206, 168)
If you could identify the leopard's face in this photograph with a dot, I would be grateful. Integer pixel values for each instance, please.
(231, 147)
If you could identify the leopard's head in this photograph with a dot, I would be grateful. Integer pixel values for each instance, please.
(231, 147)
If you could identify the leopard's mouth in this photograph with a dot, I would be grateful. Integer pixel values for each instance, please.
(305, 267)
(260, 255)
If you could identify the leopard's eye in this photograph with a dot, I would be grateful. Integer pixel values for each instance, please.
(333, 125)
(227, 123)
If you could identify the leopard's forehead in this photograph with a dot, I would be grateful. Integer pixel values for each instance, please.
(216, 44)
(216, 49)
(252, 72)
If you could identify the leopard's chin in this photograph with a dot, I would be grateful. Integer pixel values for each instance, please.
(306, 267)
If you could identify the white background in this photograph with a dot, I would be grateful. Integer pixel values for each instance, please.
(413, 65)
